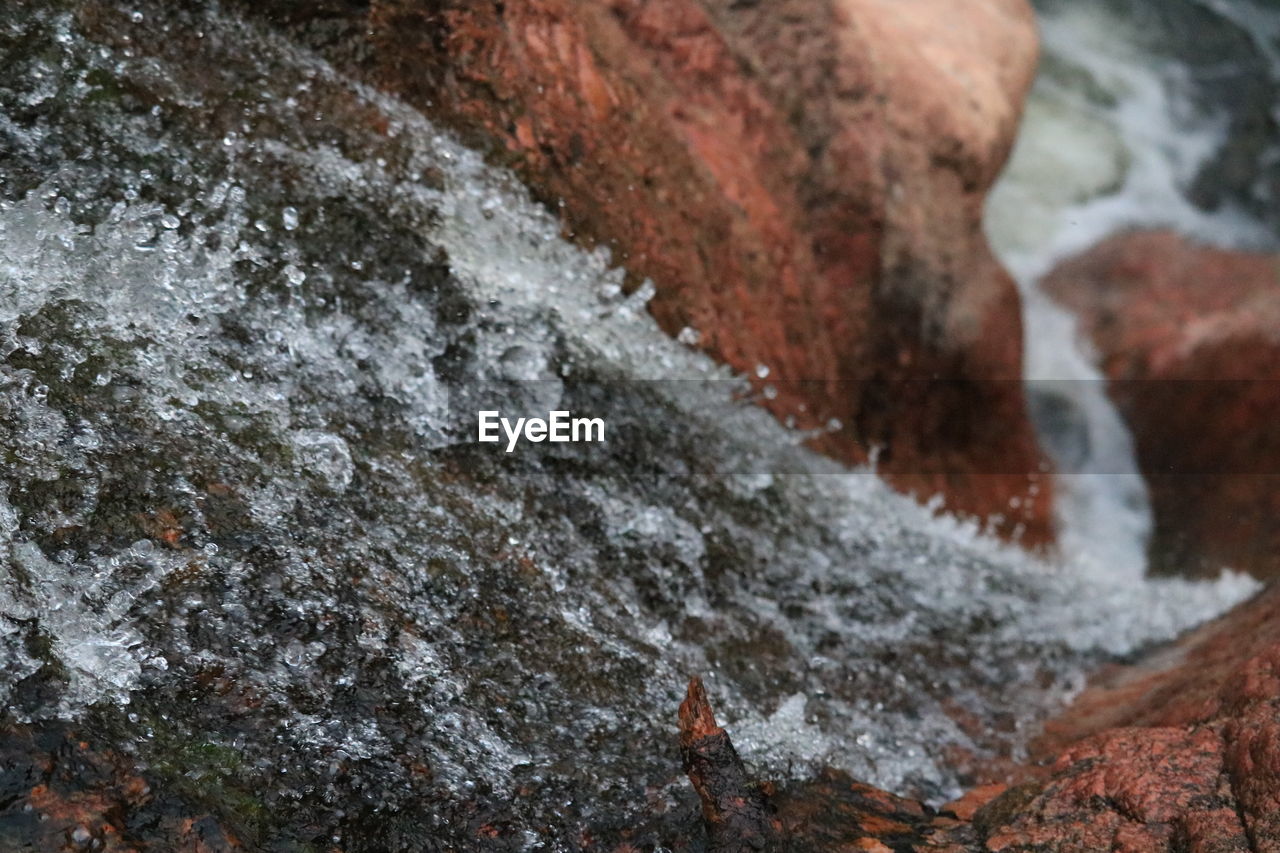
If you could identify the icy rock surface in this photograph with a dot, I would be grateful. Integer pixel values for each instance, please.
(248, 310)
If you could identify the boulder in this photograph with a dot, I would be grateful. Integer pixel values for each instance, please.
(803, 181)
(1187, 740)
(1188, 337)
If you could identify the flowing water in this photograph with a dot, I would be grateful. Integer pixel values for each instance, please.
(248, 309)
(1143, 116)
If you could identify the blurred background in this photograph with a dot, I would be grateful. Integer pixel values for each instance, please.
(1145, 117)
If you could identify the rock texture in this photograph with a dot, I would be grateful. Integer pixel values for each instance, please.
(61, 790)
(1190, 338)
(803, 181)
(833, 812)
(1187, 742)
(1178, 753)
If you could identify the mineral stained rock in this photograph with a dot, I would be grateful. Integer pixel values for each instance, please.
(802, 181)
(1180, 752)
(736, 811)
(1187, 336)
(832, 812)
(61, 790)
(252, 325)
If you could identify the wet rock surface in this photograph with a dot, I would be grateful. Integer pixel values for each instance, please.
(803, 183)
(831, 812)
(61, 790)
(1186, 335)
(249, 308)
(251, 554)
(1185, 741)
(1179, 752)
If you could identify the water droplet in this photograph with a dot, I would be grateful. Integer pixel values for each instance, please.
(289, 217)
(689, 336)
(295, 654)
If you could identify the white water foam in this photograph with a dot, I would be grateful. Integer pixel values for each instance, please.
(1111, 140)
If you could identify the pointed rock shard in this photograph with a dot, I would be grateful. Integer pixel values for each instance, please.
(737, 812)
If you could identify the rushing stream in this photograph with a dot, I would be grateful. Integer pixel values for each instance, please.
(248, 309)
(1144, 115)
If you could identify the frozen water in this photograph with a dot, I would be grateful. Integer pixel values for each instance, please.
(242, 491)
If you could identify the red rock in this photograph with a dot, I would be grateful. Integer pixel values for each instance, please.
(1179, 752)
(1188, 337)
(1186, 742)
(1132, 789)
(736, 812)
(803, 181)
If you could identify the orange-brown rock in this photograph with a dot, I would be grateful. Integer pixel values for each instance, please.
(61, 790)
(803, 180)
(1178, 753)
(1190, 339)
(1186, 743)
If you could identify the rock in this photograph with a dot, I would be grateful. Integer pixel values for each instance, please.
(456, 647)
(736, 811)
(60, 789)
(1178, 752)
(1158, 789)
(436, 646)
(1187, 337)
(1187, 741)
(831, 812)
(803, 182)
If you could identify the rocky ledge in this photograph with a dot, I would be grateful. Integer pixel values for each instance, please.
(1179, 752)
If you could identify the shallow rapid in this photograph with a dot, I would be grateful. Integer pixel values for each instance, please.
(1142, 116)
(248, 310)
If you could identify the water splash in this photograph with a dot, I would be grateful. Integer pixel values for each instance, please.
(246, 318)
